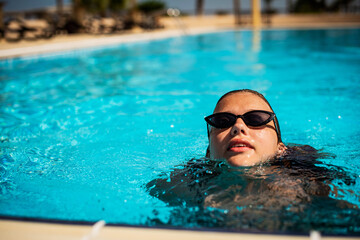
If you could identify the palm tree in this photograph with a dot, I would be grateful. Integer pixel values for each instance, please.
(268, 5)
(1, 17)
(289, 6)
(237, 12)
(98, 7)
(340, 5)
(116, 5)
(132, 8)
(59, 6)
(78, 10)
(199, 7)
(95, 6)
(268, 11)
(309, 6)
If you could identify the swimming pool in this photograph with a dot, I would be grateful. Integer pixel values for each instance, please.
(83, 132)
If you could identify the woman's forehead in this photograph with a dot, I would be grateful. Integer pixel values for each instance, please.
(241, 102)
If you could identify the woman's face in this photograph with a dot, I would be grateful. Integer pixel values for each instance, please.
(242, 145)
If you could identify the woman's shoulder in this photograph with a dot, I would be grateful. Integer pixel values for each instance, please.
(184, 182)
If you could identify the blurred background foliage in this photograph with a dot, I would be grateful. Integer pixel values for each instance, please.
(317, 6)
(102, 7)
(151, 6)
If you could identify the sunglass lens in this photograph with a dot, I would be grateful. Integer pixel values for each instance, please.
(223, 120)
(256, 118)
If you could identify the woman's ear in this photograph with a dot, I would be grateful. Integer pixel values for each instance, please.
(281, 149)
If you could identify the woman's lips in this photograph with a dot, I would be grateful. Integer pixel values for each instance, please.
(239, 145)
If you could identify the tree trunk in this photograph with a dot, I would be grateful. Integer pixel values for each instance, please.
(289, 6)
(78, 12)
(199, 7)
(267, 14)
(1, 16)
(132, 6)
(59, 7)
(133, 15)
(237, 12)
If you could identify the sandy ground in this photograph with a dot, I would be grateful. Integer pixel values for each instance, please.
(172, 27)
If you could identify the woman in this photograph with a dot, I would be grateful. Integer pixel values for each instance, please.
(250, 178)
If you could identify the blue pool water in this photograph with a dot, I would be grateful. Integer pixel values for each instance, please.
(83, 132)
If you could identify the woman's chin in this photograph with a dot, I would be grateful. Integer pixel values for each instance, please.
(242, 162)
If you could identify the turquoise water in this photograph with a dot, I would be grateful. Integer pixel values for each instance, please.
(82, 133)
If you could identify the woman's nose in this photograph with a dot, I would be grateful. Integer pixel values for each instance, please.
(239, 128)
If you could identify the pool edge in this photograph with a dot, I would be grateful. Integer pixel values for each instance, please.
(103, 41)
(31, 229)
(27, 230)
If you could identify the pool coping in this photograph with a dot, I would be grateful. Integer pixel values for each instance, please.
(34, 230)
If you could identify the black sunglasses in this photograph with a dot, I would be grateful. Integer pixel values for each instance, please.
(254, 118)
